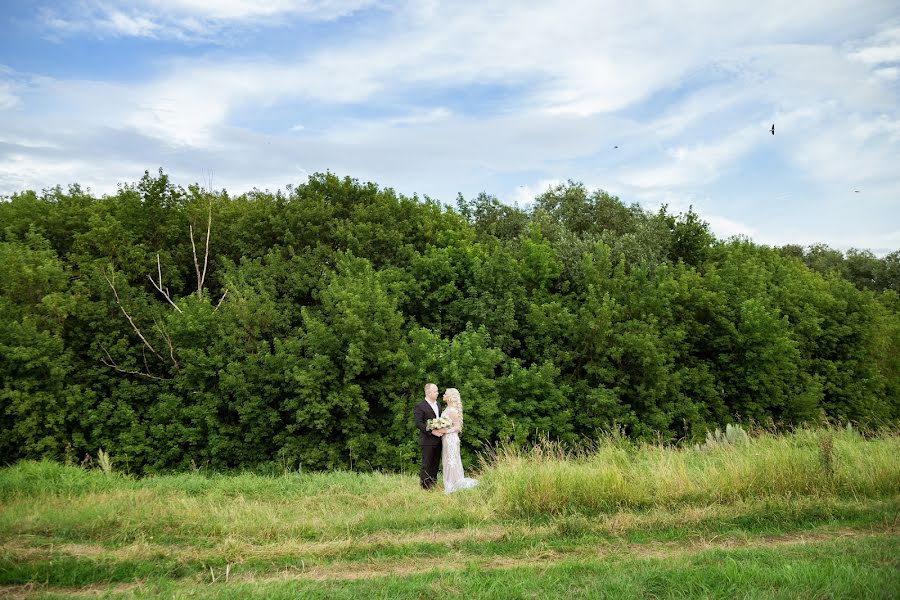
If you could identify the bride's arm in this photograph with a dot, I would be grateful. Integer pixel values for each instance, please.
(454, 419)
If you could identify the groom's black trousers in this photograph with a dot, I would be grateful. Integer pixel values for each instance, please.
(431, 456)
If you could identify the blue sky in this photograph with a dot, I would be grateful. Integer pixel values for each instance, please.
(442, 98)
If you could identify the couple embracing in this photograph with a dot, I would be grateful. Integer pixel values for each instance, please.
(441, 443)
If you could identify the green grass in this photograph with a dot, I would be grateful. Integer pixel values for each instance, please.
(619, 475)
(773, 518)
(855, 568)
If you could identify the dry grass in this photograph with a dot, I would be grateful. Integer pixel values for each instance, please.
(619, 475)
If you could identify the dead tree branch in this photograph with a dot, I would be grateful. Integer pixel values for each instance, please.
(196, 264)
(165, 334)
(221, 299)
(111, 281)
(201, 277)
(159, 286)
(206, 250)
(112, 364)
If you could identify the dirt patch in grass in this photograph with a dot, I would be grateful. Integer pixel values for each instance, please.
(534, 557)
(544, 556)
(29, 589)
(236, 550)
(723, 542)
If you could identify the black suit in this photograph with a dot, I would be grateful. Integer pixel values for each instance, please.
(429, 443)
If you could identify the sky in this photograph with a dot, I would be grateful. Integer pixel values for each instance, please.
(656, 102)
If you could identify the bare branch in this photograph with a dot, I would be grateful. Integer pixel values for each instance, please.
(196, 264)
(222, 298)
(168, 339)
(201, 277)
(111, 282)
(206, 253)
(111, 363)
(164, 292)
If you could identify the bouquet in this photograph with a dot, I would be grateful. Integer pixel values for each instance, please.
(438, 423)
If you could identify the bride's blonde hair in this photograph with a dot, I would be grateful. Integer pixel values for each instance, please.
(455, 402)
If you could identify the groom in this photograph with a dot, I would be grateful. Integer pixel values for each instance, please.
(429, 441)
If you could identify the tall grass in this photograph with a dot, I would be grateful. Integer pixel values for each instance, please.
(68, 502)
(615, 474)
(618, 474)
(64, 527)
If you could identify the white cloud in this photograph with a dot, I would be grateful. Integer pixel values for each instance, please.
(576, 59)
(132, 25)
(185, 19)
(879, 243)
(883, 47)
(850, 150)
(468, 97)
(887, 73)
(725, 228)
(421, 117)
(8, 99)
(878, 55)
(250, 9)
(524, 194)
(700, 163)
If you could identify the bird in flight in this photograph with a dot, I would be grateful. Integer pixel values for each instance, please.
(773, 129)
(615, 146)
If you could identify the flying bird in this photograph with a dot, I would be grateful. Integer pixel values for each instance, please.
(773, 129)
(615, 146)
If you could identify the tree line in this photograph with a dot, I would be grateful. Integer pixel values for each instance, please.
(177, 327)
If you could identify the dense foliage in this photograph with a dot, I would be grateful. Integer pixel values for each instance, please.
(576, 316)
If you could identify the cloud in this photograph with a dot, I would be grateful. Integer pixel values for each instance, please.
(700, 163)
(104, 158)
(878, 243)
(725, 228)
(524, 194)
(185, 19)
(251, 9)
(849, 150)
(437, 98)
(568, 60)
(8, 99)
(131, 25)
(420, 117)
(887, 73)
(883, 47)
(836, 124)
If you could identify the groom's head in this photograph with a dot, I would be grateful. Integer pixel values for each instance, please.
(430, 392)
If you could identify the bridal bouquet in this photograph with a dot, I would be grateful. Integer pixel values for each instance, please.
(438, 423)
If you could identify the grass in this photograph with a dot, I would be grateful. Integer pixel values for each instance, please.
(829, 569)
(618, 475)
(769, 518)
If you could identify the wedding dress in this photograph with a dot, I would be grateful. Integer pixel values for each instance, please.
(454, 478)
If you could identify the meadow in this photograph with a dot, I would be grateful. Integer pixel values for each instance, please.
(811, 513)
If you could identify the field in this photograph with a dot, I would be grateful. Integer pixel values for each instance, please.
(813, 513)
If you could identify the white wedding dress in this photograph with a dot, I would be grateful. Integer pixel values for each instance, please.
(454, 478)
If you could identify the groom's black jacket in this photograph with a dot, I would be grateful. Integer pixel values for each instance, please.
(421, 413)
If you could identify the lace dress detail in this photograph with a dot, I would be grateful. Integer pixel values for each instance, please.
(454, 478)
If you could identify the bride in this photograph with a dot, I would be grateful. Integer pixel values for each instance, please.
(454, 478)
